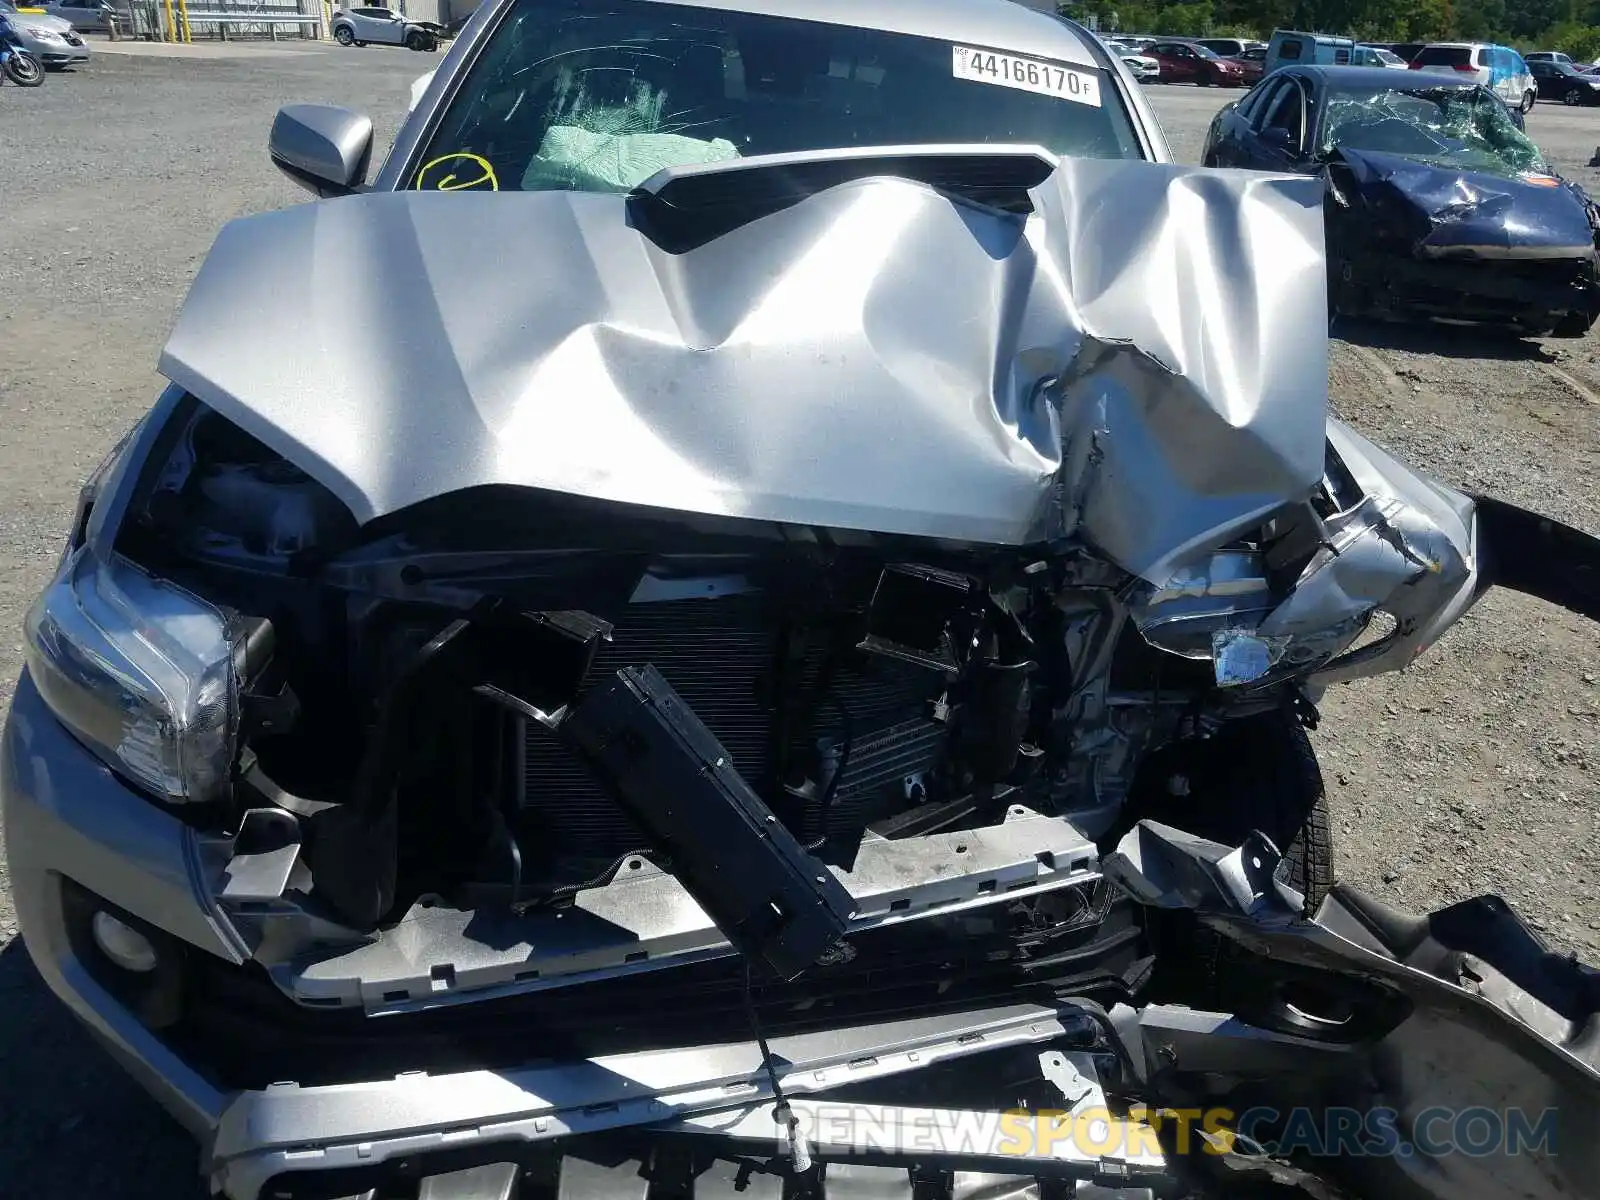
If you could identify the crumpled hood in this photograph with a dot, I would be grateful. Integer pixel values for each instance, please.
(1445, 213)
(1142, 362)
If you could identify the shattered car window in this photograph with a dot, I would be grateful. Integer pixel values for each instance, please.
(1463, 128)
(599, 96)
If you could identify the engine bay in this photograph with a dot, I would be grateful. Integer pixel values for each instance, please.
(858, 690)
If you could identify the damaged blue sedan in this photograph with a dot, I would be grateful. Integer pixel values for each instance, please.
(1439, 206)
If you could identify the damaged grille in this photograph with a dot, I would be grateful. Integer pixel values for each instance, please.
(610, 1175)
(720, 656)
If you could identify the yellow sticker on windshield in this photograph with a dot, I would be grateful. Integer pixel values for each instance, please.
(1026, 75)
(457, 172)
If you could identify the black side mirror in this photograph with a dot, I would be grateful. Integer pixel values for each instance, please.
(1277, 136)
(322, 147)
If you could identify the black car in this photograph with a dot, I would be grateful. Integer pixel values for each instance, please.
(1564, 82)
(1438, 204)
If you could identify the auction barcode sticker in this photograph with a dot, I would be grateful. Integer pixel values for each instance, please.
(1026, 74)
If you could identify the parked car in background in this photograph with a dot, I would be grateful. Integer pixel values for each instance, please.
(1385, 57)
(1439, 206)
(1190, 62)
(1229, 47)
(1550, 56)
(1564, 82)
(50, 39)
(1405, 51)
(92, 16)
(384, 27)
(1291, 46)
(1253, 63)
(1143, 68)
(1498, 68)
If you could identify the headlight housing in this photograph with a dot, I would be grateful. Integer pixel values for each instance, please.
(46, 35)
(145, 673)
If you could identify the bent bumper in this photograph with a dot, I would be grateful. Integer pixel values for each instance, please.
(57, 54)
(1537, 296)
(71, 826)
(67, 818)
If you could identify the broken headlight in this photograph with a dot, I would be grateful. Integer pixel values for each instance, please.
(142, 671)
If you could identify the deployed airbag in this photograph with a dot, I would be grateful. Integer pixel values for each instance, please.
(614, 162)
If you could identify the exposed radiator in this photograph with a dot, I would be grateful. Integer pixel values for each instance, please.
(719, 654)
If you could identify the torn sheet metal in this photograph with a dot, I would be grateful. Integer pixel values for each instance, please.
(1429, 1022)
(1411, 549)
(1141, 361)
(1403, 545)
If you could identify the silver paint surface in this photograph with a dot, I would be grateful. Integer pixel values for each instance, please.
(1142, 362)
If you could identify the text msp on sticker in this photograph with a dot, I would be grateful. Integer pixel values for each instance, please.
(1026, 74)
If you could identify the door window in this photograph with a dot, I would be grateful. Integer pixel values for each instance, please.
(1259, 101)
(1288, 113)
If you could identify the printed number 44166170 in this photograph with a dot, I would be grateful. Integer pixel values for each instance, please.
(1008, 70)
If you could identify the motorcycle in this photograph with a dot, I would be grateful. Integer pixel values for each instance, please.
(17, 63)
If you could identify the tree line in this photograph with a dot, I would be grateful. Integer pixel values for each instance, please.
(1572, 26)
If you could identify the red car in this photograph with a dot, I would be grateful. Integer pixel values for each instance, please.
(1189, 62)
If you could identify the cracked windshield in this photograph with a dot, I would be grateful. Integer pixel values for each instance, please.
(1468, 130)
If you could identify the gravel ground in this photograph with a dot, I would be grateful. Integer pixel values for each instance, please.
(1479, 768)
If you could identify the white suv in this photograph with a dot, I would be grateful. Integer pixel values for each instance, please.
(1499, 68)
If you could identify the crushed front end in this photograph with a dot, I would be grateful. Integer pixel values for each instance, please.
(441, 798)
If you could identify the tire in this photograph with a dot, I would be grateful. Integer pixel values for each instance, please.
(416, 40)
(24, 70)
(344, 35)
(1572, 99)
(1528, 99)
(1259, 772)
